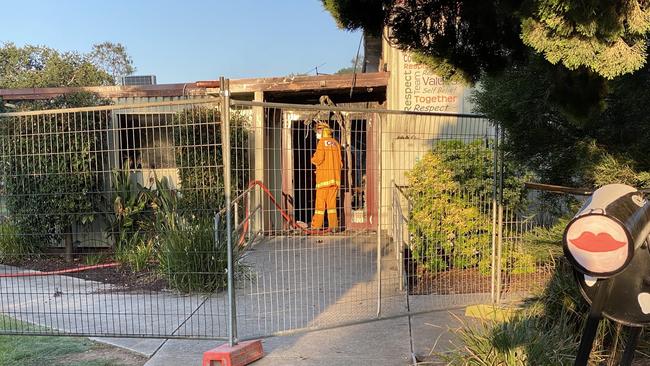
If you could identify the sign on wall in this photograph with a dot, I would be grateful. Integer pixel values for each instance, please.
(422, 91)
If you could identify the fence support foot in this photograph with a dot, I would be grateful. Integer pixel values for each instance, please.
(240, 354)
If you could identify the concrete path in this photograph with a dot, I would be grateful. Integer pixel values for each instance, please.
(287, 283)
(380, 343)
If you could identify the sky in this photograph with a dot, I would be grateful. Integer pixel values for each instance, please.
(190, 40)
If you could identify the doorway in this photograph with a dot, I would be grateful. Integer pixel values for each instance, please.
(304, 142)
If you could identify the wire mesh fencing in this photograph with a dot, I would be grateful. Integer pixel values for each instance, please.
(189, 219)
(315, 262)
(440, 171)
(107, 221)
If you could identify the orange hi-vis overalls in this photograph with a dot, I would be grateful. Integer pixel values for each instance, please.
(327, 160)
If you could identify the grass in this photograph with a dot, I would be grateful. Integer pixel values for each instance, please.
(49, 350)
(545, 331)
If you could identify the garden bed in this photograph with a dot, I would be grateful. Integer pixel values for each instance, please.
(467, 281)
(120, 276)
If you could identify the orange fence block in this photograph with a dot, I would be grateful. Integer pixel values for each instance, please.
(240, 354)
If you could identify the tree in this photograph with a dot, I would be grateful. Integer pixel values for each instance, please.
(113, 58)
(566, 80)
(355, 14)
(41, 67)
(356, 66)
(197, 141)
(366, 14)
(464, 39)
(610, 145)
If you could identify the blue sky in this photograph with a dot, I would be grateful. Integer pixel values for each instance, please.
(184, 41)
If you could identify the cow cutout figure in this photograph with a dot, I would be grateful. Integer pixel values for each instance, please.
(606, 243)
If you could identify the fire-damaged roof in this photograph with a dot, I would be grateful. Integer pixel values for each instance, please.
(305, 89)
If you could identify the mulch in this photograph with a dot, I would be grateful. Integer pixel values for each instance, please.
(421, 282)
(471, 280)
(122, 277)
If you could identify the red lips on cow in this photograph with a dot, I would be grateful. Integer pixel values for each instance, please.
(601, 242)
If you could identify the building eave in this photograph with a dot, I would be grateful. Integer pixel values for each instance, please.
(238, 86)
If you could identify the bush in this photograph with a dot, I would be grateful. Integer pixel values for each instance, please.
(190, 259)
(451, 190)
(12, 246)
(130, 218)
(544, 244)
(173, 226)
(137, 252)
(129, 209)
(51, 185)
(197, 141)
(519, 341)
(188, 256)
(515, 259)
(149, 225)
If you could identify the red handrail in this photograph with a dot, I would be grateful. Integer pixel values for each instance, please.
(284, 214)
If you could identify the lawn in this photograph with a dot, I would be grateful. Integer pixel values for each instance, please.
(54, 350)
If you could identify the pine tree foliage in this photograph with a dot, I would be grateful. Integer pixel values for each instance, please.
(608, 37)
(462, 39)
(355, 14)
(458, 39)
(573, 130)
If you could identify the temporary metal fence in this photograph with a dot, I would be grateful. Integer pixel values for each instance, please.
(192, 219)
(102, 186)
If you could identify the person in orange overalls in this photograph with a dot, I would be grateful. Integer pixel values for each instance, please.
(327, 160)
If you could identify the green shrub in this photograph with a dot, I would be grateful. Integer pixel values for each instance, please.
(520, 341)
(544, 244)
(197, 141)
(52, 184)
(451, 190)
(190, 259)
(137, 252)
(129, 209)
(514, 259)
(165, 204)
(188, 256)
(12, 246)
(173, 226)
(93, 259)
(129, 218)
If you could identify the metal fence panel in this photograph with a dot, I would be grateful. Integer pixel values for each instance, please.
(151, 200)
(293, 277)
(134, 184)
(439, 170)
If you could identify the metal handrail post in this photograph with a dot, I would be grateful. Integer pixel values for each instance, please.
(225, 150)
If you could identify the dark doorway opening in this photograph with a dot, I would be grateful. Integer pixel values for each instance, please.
(358, 146)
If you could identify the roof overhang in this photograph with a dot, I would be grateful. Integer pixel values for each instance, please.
(295, 84)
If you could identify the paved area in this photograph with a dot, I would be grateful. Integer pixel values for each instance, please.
(286, 284)
(385, 342)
